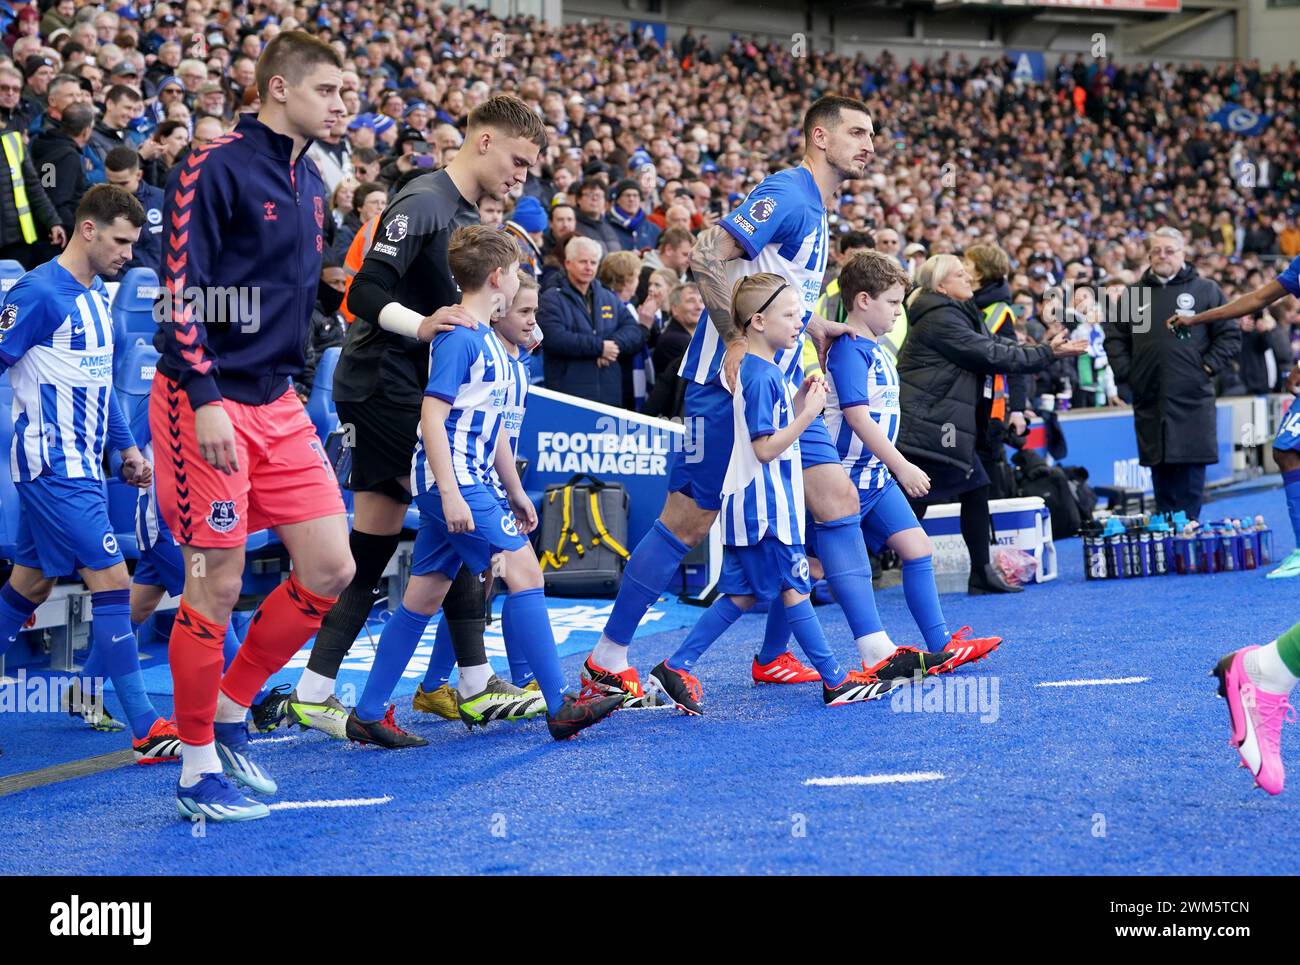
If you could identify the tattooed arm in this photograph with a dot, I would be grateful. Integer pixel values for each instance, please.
(713, 249)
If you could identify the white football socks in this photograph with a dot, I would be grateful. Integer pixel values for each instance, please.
(610, 655)
(229, 712)
(473, 680)
(314, 688)
(875, 647)
(197, 761)
(1267, 671)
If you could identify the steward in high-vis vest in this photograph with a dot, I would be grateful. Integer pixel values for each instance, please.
(352, 263)
(990, 264)
(26, 213)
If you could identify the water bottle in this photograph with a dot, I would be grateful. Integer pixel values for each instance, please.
(1227, 550)
(1185, 555)
(1161, 547)
(1117, 556)
(1145, 554)
(1132, 564)
(1263, 543)
(1094, 558)
(1208, 549)
(1249, 552)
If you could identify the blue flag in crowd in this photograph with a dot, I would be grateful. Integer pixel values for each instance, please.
(1240, 120)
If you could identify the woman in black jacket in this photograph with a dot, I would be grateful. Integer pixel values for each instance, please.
(945, 370)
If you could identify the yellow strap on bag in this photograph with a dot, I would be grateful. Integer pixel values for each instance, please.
(598, 524)
(557, 558)
(13, 148)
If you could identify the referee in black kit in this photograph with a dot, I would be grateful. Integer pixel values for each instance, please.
(402, 297)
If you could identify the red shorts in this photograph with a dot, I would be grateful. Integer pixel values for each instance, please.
(284, 475)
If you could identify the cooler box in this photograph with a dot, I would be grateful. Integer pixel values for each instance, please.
(1023, 523)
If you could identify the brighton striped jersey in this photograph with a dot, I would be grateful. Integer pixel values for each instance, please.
(470, 370)
(56, 340)
(860, 371)
(512, 417)
(760, 498)
(782, 228)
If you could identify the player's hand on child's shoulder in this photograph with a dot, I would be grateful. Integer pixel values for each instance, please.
(444, 320)
(731, 359)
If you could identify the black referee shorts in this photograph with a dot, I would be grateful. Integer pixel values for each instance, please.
(383, 444)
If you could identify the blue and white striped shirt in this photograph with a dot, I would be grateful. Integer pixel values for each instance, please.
(782, 227)
(762, 498)
(512, 416)
(860, 372)
(56, 340)
(470, 370)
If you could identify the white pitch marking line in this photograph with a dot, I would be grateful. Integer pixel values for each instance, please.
(273, 740)
(1093, 683)
(912, 777)
(353, 802)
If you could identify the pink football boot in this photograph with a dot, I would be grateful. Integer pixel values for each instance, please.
(1257, 717)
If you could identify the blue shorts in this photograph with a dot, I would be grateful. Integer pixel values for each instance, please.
(699, 467)
(763, 571)
(438, 551)
(885, 511)
(815, 446)
(1288, 433)
(64, 526)
(161, 565)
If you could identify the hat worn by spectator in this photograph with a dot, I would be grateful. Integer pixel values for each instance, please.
(627, 184)
(168, 21)
(379, 123)
(415, 106)
(124, 69)
(528, 214)
(913, 249)
(211, 88)
(170, 82)
(34, 63)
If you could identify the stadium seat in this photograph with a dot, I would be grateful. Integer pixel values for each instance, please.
(320, 404)
(10, 272)
(132, 309)
(133, 376)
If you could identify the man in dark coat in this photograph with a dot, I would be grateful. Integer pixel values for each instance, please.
(591, 217)
(56, 153)
(1171, 377)
(587, 329)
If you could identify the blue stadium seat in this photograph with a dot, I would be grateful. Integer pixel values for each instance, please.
(10, 272)
(133, 306)
(320, 404)
(133, 376)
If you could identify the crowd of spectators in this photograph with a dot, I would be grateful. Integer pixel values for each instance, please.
(649, 145)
